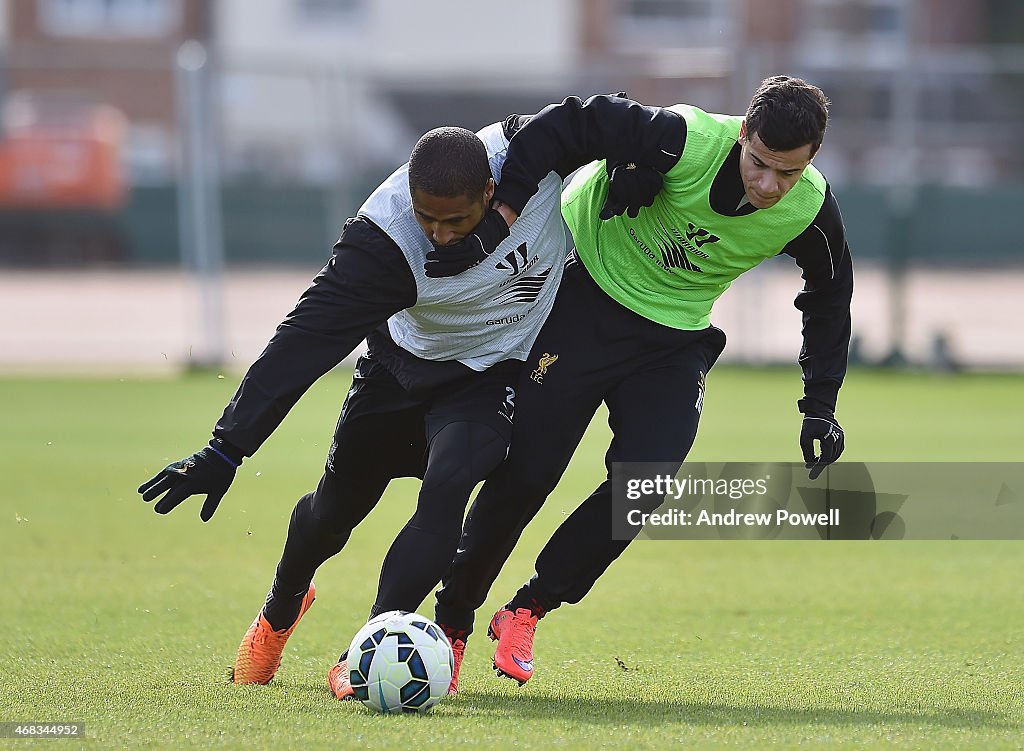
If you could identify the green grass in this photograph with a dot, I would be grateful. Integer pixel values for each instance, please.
(128, 621)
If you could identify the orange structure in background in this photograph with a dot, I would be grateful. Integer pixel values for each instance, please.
(59, 152)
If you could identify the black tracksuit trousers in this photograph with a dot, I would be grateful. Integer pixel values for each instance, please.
(451, 439)
(650, 376)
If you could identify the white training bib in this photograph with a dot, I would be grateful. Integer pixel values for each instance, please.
(493, 311)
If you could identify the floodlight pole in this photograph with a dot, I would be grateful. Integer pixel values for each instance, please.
(199, 210)
(903, 189)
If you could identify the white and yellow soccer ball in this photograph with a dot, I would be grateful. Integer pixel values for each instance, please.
(400, 662)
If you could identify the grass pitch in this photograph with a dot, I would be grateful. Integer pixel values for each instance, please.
(129, 621)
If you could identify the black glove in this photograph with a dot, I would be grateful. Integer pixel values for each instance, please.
(629, 189)
(209, 471)
(450, 260)
(820, 426)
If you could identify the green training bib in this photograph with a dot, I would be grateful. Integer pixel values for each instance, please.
(679, 255)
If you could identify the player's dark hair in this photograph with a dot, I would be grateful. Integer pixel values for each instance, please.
(787, 113)
(449, 162)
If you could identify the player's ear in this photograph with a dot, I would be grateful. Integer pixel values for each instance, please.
(743, 130)
(489, 191)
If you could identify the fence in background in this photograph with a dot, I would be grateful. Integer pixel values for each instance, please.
(285, 181)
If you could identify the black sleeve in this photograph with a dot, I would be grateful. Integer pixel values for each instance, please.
(366, 281)
(822, 253)
(563, 137)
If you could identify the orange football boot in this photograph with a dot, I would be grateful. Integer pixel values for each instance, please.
(339, 681)
(259, 654)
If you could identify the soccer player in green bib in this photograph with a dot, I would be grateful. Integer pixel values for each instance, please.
(710, 197)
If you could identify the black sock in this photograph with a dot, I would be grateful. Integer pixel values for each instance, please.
(310, 542)
(282, 607)
(529, 602)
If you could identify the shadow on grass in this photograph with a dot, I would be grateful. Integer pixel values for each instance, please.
(604, 711)
(615, 712)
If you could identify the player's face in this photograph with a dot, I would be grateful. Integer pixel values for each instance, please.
(446, 220)
(769, 175)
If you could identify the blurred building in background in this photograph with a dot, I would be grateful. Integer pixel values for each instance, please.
(939, 66)
(141, 134)
(108, 52)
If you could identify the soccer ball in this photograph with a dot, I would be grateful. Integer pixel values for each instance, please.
(400, 662)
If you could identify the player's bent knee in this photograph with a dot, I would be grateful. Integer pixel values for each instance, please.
(339, 506)
(445, 531)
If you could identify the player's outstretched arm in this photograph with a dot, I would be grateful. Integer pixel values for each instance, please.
(822, 253)
(366, 281)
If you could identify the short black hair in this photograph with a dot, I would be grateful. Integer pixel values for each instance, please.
(449, 162)
(787, 113)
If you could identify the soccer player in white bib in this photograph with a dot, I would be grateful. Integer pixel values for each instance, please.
(450, 300)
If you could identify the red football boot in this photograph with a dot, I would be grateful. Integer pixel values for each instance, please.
(514, 633)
